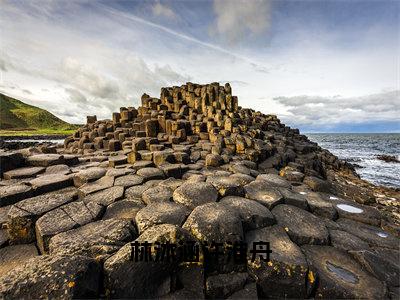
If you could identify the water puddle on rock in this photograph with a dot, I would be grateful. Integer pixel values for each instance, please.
(333, 198)
(382, 234)
(342, 273)
(350, 209)
(303, 193)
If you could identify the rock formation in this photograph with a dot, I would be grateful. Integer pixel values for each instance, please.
(242, 205)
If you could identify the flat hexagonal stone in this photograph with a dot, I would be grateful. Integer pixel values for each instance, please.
(301, 226)
(55, 277)
(384, 264)
(239, 169)
(317, 184)
(263, 193)
(193, 194)
(10, 194)
(161, 213)
(157, 193)
(23, 215)
(119, 172)
(274, 180)
(346, 241)
(13, 256)
(249, 292)
(150, 173)
(357, 212)
(242, 179)
(215, 222)
(123, 209)
(64, 218)
(97, 239)
(223, 285)
(126, 278)
(128, 180)
(253, 214)
(96, 186)
(49, 183)
(58, 169)
(284, 276)
(172, 183)
(374, 236)
(339, 276)
(107, 196)
(226, 186)
(21, 173)
(293, 198)
(320, 206)
(45, 160)
(117, 160)
(88, 175)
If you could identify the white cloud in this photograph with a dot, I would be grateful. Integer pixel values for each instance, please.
(161, 10)
(318, 110)
(237, 18)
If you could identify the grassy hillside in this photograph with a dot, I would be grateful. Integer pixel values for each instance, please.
(17, 116)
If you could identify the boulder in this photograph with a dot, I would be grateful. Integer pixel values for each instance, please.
(317, 184)
(128, 180)
(301, 226)
(223, 285)
(23, 215)
(263, 193)
(97, 239)
(193, 194)
(253, 214)
(274, 180)
(49, 183)
(64, 218)
(285, 274)
(161, 213)
(106, 197)
(123, 209)
(226, 186)
(158, 193)
(13, 256)
(56, 277)
(25, 172)
(339, 276)
(44, 160)
(149, 173)
(10, 194)
(96, 186)
(88, 175)
(320, 206)
(345, 241)
(128, 277)
(374, 236)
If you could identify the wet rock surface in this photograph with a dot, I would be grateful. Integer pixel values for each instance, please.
(193, 168)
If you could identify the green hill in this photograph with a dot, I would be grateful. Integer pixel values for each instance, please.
(17, 116)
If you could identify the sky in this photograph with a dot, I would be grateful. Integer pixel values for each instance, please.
(321, 66)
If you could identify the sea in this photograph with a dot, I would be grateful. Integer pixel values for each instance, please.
(361, 149)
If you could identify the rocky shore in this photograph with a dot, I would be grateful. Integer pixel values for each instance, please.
(192, 196)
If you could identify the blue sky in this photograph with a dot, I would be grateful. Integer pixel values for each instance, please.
(319, 65)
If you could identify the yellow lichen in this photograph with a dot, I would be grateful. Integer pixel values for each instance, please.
(311, 277)
(71, 284)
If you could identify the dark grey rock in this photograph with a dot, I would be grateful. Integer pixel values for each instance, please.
(128, 180)
(150, 173)
(13, 256)
(339, 276)
(49, 183)
(55, 277)
(88, 175)
(301, 226)
(45, 160)
(284, 276)
(158, 193)
(97, 239)
(263, 193)
(10, 194)
(123, 209)
(223, 285)
(346, 241)
(64, 218)
(161, 213)
(23, 215)
(107, 196)
(193, 194)
(21, 173)
(253, 214)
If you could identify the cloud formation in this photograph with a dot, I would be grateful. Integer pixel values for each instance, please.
(237, 18)
(161, 10)
(318, 110)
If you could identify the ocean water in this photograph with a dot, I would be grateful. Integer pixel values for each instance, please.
(361, 149)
